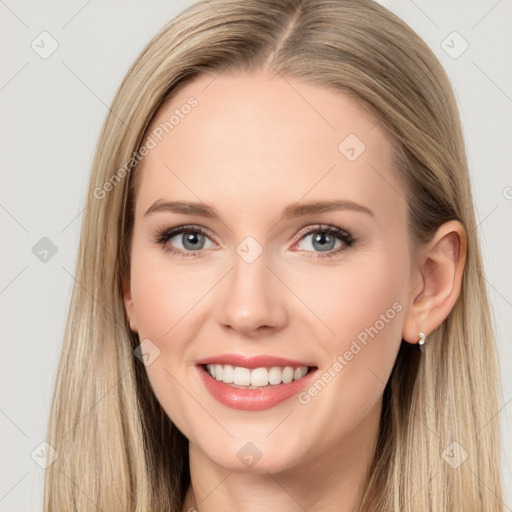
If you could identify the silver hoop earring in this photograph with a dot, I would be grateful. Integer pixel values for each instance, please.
(422, 339)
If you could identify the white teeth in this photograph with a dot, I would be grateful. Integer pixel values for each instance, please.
(297, 374)
(287, 374)
(275, 375)
(242, 376)
(228, 374)
(257, 377)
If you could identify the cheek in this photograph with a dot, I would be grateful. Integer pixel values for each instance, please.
(164, 293)
(166, 301)
(369, 303)
(361, 307)
(363, 310)
(352, 298)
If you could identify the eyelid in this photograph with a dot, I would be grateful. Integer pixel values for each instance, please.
(325, 228)
(164, 234)
(169, 233)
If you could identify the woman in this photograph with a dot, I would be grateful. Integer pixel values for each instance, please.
(214, 358)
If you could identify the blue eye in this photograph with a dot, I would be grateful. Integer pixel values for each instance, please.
(193, 240)
(324, 239)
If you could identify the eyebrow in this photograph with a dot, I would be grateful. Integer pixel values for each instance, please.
(291, 211)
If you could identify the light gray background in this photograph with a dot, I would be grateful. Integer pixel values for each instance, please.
(52, 111)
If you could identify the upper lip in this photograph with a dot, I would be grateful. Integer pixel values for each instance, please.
(252, 361)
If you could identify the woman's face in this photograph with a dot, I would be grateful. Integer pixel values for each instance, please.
(294, 255)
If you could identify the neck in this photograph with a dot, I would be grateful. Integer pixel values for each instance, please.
(329, 481)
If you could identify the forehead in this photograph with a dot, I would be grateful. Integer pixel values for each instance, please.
(256, 139)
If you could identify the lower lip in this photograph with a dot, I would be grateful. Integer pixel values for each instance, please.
(252, 399)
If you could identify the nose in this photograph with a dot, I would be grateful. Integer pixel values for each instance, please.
(253, 299)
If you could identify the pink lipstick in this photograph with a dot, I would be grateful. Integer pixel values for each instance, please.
(254, 383)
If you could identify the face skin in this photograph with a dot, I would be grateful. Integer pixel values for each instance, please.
(252, 146)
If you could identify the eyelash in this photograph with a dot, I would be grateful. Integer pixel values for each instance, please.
(164, 235)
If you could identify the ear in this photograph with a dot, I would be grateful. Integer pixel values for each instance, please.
(438, 278)
(128, 304)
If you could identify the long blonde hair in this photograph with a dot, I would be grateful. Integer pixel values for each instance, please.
(118, 450)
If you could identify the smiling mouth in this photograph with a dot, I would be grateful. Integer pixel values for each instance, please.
(256, 378)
